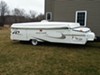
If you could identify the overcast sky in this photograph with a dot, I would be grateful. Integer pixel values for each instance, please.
(36, 5)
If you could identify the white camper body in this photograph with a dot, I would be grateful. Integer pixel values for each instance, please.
(58, 32)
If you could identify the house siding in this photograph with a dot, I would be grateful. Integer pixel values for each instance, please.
(49, 6)
(64, 10)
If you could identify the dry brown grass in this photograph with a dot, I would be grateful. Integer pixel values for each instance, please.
(47, 59)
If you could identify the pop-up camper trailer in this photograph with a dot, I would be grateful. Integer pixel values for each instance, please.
(57, 32)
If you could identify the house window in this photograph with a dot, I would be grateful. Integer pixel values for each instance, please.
(49, 16)
(81, 17)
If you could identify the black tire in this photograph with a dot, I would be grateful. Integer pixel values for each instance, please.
(34, 42)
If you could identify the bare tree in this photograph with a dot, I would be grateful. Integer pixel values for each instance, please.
(18, 14)
(32, 14)
(3, 11)
(40, 17)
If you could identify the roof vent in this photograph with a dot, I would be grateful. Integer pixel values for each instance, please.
(44, 21)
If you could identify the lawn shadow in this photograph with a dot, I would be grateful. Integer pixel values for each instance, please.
(88, 45)
(61, 45)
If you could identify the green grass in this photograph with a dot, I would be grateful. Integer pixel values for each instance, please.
(47, 59)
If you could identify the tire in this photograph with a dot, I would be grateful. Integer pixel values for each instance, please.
(34, 42)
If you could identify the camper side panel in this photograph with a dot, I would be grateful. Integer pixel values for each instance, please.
(19, 34)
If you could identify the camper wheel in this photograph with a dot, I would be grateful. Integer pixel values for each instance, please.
(34, 42)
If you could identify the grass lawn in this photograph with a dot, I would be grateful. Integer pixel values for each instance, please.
(47, 59)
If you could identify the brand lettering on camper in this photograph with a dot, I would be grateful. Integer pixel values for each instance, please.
(40, 32)
(16, 32)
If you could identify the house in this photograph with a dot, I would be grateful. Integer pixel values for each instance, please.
(85, 12)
